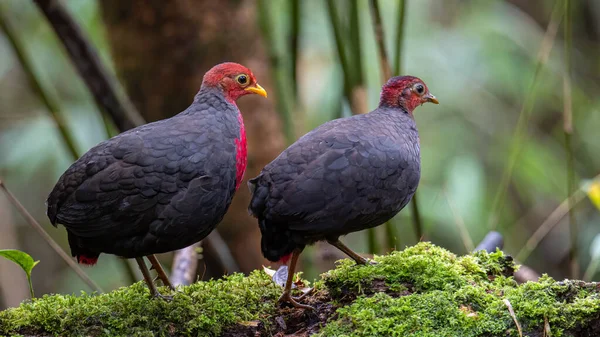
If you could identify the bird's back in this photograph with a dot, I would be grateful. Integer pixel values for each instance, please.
(161, 184)
(349, 174)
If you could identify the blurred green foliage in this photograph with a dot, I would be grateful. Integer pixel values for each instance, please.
(477, 57)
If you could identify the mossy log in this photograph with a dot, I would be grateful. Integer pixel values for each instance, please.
(421, 291)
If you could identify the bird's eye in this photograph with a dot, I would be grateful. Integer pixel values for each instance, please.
(420, 89)
(242, 79)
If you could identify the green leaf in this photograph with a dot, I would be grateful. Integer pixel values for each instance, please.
(24, 260)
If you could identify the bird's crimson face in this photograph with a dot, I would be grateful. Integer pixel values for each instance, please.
(234, 79)
(407, 92)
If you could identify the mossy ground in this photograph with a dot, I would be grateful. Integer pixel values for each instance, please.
(421, 291)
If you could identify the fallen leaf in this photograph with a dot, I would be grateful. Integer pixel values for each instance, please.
(269, 271)
(250, 323)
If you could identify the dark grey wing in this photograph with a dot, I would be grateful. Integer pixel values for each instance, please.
(155, 172)
(92, 162)
(342, 178)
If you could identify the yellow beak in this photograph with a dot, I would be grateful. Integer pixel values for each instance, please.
(257, 89)
(431, 98)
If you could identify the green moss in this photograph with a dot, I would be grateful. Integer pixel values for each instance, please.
(453, 296)
(424, 266)
(421, 291)
(203, 309)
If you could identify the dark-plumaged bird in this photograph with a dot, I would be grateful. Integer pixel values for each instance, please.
(347, 175)
(161, 186)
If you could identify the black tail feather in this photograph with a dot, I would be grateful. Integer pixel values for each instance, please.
(84, 255)
(276, 242)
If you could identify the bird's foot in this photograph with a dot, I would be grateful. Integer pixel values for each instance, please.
(286, 297)
(364, 261)
(167, 298)
(372, 262)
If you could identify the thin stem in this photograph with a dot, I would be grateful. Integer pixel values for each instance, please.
(33, 223)
(47, 100)
(386, 69)
(391, 237)
(550, 222)
(84, 56)
(568, 132)
(460, 223)
(280, 75)
(37, 87)
(520, 136)
(386, 72)
(591, 269)
(295, 41)
(399, 36)
(355, 41)
(372, 244)
(339, 43)
(217, 245)
(30, 286)
(98, 79)
(417, 223)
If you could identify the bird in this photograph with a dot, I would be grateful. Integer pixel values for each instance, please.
(161, 186)
(346, 175)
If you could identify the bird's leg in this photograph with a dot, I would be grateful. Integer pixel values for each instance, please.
(160, 271)
(287, 291)
(339, 245)
(153, 291)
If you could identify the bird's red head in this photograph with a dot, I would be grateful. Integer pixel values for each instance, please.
(406, 92)
(234, 79)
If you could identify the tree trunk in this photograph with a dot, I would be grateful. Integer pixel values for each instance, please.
(161, 51)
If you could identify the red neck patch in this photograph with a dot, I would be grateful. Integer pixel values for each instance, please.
(241, 154)
(241, 148)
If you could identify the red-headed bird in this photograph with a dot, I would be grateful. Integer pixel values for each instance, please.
(161, 186)
(347, 175)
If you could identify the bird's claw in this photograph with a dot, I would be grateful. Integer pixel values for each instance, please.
(286, 297)
(371, 262)
(364, 261)
(167, 298)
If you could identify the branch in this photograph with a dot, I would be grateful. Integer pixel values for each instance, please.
(98, 80)
(33, 223)
(296, 14)
(339, 43)
(386, 69)
(185, 261)
(185, 264)
(386, 72)
(491, 242)
(218, 247)
(285, 101)
(549, 223)
(528, 104)
(36, 85)
(399, 37)
(568, 132)
(88, 64)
